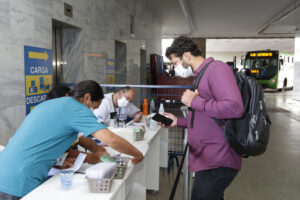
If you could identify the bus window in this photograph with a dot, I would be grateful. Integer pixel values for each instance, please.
(288, 58)
(270, 67)
(262, 68)
(292, 59)
(247, 63)
(255, 64)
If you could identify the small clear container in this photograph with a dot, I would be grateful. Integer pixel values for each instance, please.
(138, 134)
(122, 163)
(66, 178)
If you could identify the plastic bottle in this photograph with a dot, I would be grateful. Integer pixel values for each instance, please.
(145, 107)
(122, 113)
(161, 108)
(152, 106)
(112, 122)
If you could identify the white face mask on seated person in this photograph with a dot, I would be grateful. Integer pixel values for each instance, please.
(182, 71)
(123, 102)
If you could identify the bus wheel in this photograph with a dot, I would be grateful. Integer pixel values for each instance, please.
(284, 84)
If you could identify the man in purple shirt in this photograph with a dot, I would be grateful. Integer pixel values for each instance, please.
(218, 96)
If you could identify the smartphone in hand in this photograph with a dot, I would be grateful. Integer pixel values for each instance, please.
(163, 119)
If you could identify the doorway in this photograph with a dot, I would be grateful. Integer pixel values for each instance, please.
(143, 65)
(67, 53)
(120, 62)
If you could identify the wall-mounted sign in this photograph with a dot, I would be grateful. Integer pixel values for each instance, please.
(110, 74)
(38, 75)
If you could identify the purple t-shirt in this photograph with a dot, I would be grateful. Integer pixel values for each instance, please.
(219, 97)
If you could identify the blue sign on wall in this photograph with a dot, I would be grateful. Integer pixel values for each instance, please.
(110, 74)
(38, 75)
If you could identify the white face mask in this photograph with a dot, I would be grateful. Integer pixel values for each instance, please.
(183, 72)
(123, 102)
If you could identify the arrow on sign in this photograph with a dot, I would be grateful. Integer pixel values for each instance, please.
(38, 55)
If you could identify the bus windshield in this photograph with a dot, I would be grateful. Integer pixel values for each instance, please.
(262, 68)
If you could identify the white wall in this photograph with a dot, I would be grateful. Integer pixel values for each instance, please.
(226, 56)
(101, 21)
(296, 91)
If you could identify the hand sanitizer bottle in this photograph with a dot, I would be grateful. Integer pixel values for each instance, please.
(161, 108)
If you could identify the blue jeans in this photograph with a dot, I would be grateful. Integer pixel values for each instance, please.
(211, 184)
(4, 196)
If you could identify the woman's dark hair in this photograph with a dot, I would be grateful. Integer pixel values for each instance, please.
(88, 86)
(183, 44)
(58, 91)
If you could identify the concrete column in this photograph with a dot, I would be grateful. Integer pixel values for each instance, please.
(296, 91)
(201, 43)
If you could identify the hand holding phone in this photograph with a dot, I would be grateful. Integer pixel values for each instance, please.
(162, 119)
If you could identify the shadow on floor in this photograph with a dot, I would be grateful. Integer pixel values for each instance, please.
(165, 184)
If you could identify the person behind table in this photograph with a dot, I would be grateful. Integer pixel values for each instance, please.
(47, 132)
(86, 142)
(214, 162)
(118, 104)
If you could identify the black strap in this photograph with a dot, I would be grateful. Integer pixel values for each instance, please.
(195, 86)
(178, 174)
(219, 122)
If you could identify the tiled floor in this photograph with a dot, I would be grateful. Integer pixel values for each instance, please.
(275, 175)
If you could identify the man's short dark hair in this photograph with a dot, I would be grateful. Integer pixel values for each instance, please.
(126, 89)
(181, 45)
(168, 52)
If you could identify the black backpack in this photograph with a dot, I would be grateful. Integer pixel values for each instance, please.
(248, 135)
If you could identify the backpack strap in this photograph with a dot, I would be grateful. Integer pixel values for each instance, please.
(195, 86)
(220, 123)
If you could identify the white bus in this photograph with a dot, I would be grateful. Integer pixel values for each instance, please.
(272, 69)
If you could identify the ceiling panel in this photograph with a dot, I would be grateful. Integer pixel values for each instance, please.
(230, 45)
(230, 18)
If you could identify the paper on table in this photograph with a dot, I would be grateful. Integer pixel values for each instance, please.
(101, 170)
(53, 171)
(84, 167)
(78, 162)
(60, 160)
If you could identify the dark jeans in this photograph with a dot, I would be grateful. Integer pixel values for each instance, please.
(4, 196)
(211, 184)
